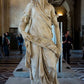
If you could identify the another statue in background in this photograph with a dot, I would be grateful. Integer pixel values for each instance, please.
(41, 52)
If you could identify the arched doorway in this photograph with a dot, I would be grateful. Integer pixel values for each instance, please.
(63, 12)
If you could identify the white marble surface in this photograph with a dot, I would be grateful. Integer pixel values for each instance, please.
(24, 73)
(13, 80)
(66, 73)
(68, 76)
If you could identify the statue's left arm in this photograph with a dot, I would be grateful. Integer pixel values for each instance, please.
(57, 31)
(25, 20)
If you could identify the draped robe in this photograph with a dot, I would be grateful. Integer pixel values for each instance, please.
(41, 53)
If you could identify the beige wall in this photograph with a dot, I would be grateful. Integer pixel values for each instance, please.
(13, 10)
(4, 7)
(82, 12)
(16, 8)
(0, 19)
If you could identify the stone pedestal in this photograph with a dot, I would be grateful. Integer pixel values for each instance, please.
(24, 72)
(13, 80)
(68, 76)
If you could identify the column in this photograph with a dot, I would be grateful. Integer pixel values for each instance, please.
(6, 15)
(59, 64)
(2, 16)
(69, 23)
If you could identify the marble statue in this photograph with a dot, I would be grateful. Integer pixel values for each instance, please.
(42, 53)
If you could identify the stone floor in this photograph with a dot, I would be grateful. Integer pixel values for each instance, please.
(79, 71)
(8, 64)
(13, 80)
(6, 71)
(14, 54)
(78, 67)
(68, 76)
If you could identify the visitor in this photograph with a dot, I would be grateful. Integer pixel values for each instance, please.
(20, 42)
(6, 45)
(0, 52)
(8, 37)
(67, 45)
(83, 52)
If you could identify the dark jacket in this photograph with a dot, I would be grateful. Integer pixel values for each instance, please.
(67, 45)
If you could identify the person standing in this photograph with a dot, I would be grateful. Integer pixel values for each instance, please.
(67, 45)
(83, 52)
(5, 45)
(0, 52)
(20, 42)
(8, 42)
(8, 37)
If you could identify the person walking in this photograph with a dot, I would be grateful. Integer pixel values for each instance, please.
(20, 43)
(5, 45)
(67, 45)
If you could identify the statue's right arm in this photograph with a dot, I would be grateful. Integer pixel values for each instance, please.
(25, 20)
(57, 31)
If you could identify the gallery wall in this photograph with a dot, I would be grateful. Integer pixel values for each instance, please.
(0, 19)
(16, 8)
(82, 12)
(12, 12)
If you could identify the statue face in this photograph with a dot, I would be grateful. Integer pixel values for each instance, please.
(41, 2)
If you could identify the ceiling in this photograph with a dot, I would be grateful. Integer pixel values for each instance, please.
(56, 2)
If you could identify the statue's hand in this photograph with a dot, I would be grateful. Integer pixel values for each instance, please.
(24, 34)
(58, 50)
(58, 53)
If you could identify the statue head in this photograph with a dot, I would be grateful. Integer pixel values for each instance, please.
(42, 3)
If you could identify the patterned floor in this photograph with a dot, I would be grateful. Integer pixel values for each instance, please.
(6, 71)
(8, 64)
(79, 68)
